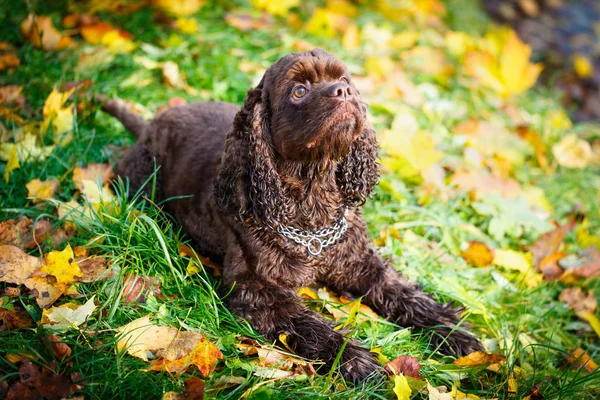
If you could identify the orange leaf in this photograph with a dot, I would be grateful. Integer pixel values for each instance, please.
(580, 358)
(479, 358)
(205, 356)
(478, 254)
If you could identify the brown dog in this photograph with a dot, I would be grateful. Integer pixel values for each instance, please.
(273, 191)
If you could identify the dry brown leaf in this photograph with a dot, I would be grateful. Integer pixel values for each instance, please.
(479, 358)
(16, 266)
(580, 358)
(270, 356)
(40, 32)
(45, 288)
(93, 268)
(589, 265)
(405, 365)
(478, 254)
(549, 242)
(550, 268)
(41, 382)
(8, 56)
(60, 349)
(17, 318)
(577, 300)
(138, 287)
(23, 233)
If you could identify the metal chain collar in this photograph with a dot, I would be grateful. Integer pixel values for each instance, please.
(315, 241)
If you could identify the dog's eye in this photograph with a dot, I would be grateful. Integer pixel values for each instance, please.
(300, 92)
(345, 79)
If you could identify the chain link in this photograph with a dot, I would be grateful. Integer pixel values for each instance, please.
(315, 241)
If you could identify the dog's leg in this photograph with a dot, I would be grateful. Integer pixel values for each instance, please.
(274, 310)
(399, 301)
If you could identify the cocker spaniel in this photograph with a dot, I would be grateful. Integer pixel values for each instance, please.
(273, 192)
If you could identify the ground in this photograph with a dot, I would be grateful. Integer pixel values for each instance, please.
(489, 198)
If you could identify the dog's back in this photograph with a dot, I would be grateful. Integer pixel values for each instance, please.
(186, 142)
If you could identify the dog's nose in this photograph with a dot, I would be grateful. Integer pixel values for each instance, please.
(340, 90)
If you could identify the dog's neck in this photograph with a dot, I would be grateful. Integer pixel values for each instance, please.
(317, 201)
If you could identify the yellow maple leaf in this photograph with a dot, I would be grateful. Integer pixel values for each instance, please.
(27, 149)
(12, 164)
(62, 265)
(511, 259)
(116, 43)
(275, 7)
(41, 190)
(505, 67)
(205, 356)
(409, 155)
(40, 31)
(56, 114)
(351, 38)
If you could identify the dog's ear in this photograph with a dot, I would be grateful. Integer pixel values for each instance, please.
(358, 172)
(248, 185)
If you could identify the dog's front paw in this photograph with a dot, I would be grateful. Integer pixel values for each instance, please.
(358, 363)
(457, 343)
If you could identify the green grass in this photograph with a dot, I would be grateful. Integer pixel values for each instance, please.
(528, 325)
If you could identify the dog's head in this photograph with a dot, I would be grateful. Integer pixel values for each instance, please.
(307, 110)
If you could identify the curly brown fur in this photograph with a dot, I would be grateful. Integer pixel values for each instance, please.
(289, 156)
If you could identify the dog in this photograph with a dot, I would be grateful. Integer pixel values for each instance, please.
(273, 192)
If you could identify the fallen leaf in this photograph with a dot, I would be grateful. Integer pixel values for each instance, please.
(591, 319)
(12, 163)
(61, 265)
(23, 233)
(8, 57)
(205, 356)
(17, 318)
(508, 72)
(410, 154)
(179, 8)
(511, 259)
(187, 25)
(27, 149)
(116, 43)
(41, 382)
(173, 77)
(479, 358)
(141, 338)
(15, 265)
(577, 300)
(573, 152)
(341, 308)
(405, 365)
(582, 65)
(45, 289)
(96, 173)
(401, 388)
(247, 22)
(478, 254)
(60, 349)
(136, 288)
(579, 358)
(57, 115)
(436, 394)
(549, 242)
(550, 266)
(589, 264)
(42, 190)
(40, 32)
(93, 268)
(275, 7)
(68, 316)
(480, 184)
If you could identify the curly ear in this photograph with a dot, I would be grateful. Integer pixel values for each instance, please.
(358, 172)
(248, 185)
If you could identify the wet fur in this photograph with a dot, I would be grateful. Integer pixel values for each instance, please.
(247, 171)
